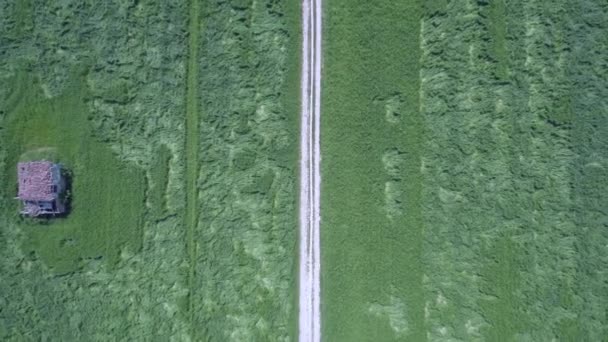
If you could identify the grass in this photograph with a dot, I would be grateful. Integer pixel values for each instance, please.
(112, 118)
(371, 132)
(159, 181)
(215, 255)
(497, 28)
(107, 197)
(464, 170)
(505, 172)
(291, 104)
(192, 150)
(248, 91)
(499, 190)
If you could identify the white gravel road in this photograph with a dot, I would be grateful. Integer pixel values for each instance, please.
(310, 177)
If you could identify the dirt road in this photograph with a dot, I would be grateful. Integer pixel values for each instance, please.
(310, 178)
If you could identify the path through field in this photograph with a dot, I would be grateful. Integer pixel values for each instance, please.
(192, 145)
(310, 179)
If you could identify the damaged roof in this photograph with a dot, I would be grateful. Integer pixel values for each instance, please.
(36, 181)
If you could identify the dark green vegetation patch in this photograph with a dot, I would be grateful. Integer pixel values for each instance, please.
(483, 217)
(106, 199)
(371, 196)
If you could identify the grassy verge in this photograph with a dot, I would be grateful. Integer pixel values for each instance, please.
(291, 103)
(371, 131)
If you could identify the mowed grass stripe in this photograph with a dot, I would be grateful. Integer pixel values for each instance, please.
(371, 137)
(192, 145)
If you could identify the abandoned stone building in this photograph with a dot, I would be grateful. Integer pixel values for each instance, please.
(41, 188)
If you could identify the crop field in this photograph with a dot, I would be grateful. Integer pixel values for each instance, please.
(465, 171)
(178, 123)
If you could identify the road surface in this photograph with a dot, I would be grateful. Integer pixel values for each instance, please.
(310, 178)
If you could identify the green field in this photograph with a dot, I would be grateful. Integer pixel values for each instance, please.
(106, 220)
(464, 171)
(246, 236)
(179, 125)
(372, 229)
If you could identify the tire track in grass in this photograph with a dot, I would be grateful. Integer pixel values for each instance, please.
(192, 145)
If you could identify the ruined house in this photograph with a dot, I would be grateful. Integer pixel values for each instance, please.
(41, 188)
